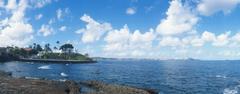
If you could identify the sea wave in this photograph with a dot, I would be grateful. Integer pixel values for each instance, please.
(62, 80)
(45, 67)
(63, 74)
(221, 76)
(233, 90)
(31, 78)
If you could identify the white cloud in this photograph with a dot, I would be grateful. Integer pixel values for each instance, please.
(63, 28)
(51, 21)
(59, 13)
(94, 30)
(46, 30)
(125, 43)
(1, 3)
(38, 17)
(222, 40)
(208, 36)
(179, 19)
(11, 4)
(131, 11)
(209, 7)
(170, 41)
(40, 3)
(15, 30)
(197, 42)
(18, 34)
(236, 37)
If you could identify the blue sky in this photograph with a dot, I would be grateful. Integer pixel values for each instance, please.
(159, 29)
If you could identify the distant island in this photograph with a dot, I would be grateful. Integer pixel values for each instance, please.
(37, 53)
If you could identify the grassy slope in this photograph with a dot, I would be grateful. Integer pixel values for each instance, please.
(65, 56)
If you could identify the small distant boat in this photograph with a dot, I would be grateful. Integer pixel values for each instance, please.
(63, 74)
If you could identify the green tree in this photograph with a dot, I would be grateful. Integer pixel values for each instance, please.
(58, 42)
(34, 46)
(66, 48)
(47, 48)
(39, 48)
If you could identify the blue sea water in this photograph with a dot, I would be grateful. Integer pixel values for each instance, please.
(167, 77)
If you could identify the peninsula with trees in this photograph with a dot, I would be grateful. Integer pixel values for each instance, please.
(64, 53)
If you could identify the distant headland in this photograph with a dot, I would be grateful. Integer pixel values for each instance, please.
(37, 53)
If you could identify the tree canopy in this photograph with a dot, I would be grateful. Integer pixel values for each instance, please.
(66, 48)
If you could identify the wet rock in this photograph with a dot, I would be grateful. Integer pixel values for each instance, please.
(10, 85)
(5, 74)
(102, 88)
(72, 87)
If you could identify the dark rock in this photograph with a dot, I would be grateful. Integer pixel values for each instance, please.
(102, 88)
(10, 85)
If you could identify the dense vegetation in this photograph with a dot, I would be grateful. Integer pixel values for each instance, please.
(63, 56)
(7, 57)
(36, 51)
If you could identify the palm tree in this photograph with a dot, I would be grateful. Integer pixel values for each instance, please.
(58, 42)
(34, 46)
(39, 48)
(47, 48)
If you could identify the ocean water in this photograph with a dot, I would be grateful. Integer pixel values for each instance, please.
(166, 77)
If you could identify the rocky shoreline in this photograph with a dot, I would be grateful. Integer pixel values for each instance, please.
(56, 60)
(11, 85)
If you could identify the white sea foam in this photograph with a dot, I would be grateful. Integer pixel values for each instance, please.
(31, 78)
(230, 91)
(233, 90)
(63, 74)
(62, 80)
(45, 67)
(221, 76)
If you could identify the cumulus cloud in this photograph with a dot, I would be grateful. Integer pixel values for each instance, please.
(222, 40)
(12, 4)
(197, 42)
(46, 30)
(62, 12)
(236, 37)
(123, 42)
(15, 30)
(63, 28)
(40, 3)
(1, 3)
(131, 11)
(93, 30)
(59, 13)
(209, 7)
(170, 41)
(38, 17)
(51, 21)
(179, 19)
(18, 34)
(235, 41)
(208, 36)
